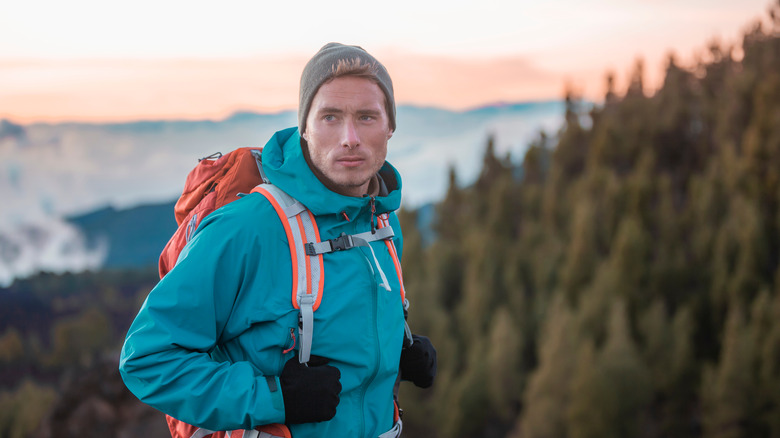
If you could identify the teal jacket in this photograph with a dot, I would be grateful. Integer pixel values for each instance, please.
(219, 323)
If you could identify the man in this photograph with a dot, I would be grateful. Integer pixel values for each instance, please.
(215, 344)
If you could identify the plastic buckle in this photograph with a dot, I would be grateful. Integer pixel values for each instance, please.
(341, 243)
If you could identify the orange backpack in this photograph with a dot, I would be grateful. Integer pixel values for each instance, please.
(214, 182)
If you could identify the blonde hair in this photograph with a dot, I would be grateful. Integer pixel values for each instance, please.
(355, 67)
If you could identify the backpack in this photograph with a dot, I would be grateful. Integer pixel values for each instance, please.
(218, 180)
(214, 182)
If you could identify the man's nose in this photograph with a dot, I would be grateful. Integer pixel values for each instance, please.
(350, 138)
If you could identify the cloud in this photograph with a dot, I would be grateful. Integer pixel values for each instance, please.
(50, 246)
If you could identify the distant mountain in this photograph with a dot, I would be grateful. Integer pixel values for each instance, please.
(52, 171)
(134, 237)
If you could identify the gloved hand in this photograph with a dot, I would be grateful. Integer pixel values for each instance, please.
(311, 393)
(418, 362)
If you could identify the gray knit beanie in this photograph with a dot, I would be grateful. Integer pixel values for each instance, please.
(321, 68)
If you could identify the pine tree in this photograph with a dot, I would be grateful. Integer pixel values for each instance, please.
(547, 396)
(667, 352)
(729, 389)
(505, 371)
(587, 396)
(612, 388)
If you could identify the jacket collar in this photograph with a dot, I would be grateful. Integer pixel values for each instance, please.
(286, 167)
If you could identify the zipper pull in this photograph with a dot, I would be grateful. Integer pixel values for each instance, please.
(372, 203)
(292, 336)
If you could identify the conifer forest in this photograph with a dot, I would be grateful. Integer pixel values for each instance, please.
(622, 279)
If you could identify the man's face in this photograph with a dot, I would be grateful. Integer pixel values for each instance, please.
(347, 129)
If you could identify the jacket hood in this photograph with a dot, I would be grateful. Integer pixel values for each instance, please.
(286, 167)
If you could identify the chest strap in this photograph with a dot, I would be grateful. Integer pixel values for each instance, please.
(306, 250)
(348, 241)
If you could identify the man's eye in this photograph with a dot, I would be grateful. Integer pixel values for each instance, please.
(329, 118)
(366, 118)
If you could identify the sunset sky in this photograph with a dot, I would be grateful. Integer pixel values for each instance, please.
(90, 60)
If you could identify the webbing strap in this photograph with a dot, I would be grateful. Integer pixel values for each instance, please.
(306, 329)
(200, 433)
(295, 209)
(347, 241)
(380, 234)
(258, 154)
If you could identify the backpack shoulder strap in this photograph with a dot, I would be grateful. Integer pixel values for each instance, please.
(384, 223)
(308, 272)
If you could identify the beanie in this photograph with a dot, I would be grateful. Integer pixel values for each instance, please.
(321, 68)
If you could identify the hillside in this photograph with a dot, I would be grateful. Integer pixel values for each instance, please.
(133, 237)
(624, 280)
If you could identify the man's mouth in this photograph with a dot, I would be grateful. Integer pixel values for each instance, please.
(351, 161)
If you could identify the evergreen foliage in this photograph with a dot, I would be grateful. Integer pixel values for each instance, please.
(57, 328)
(624, 279)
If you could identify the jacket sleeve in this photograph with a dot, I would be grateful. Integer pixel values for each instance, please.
(165, 360)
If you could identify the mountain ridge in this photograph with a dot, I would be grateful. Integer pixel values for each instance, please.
(50, 172)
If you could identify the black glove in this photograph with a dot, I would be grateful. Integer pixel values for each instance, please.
(418, 362)
(311, 393)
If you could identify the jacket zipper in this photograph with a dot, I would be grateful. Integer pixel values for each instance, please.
(372, 207)
(372, 203)
(374, 312)
(377, 357)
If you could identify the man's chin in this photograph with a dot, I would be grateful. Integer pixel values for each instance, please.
(351, 187)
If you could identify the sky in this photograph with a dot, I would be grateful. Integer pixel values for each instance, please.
(93, 60)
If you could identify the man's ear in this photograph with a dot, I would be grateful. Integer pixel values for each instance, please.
(305, 136)
(390, 134)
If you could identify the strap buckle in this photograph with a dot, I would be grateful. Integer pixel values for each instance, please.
(342, 242)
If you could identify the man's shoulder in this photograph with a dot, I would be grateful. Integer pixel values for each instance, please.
(249, 212)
